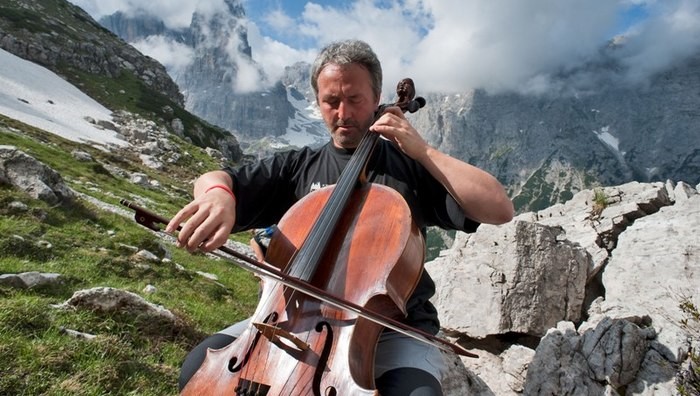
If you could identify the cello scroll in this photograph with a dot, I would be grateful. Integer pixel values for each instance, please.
(406, 98)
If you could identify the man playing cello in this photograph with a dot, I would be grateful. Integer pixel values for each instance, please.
(440, 191)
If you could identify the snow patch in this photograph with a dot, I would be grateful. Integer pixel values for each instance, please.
(609, 139)
(38, 97)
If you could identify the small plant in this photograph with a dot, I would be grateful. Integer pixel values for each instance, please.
(600, 202)
(688, 378)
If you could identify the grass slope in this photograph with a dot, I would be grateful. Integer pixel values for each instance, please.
(89, 247)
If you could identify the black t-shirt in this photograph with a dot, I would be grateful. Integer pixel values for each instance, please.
(266, 190)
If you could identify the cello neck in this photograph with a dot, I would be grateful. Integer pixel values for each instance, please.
(307, 259)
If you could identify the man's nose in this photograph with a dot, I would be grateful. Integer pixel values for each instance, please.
(343, 110)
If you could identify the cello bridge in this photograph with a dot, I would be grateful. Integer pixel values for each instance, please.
(280, 337)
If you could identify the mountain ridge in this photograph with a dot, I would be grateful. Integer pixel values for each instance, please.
(544, 147)
(591, 126)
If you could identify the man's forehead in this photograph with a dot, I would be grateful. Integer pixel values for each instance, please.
(357, 77)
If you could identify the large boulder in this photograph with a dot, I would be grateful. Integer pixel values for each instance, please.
(582, 298)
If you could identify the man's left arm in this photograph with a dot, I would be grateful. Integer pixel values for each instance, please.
(480, 195)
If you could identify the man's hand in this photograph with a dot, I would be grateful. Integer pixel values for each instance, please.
(210, 216)
(394, 126)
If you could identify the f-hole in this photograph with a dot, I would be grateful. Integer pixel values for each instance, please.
(323, 360)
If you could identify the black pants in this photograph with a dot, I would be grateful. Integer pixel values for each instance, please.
(397, 382)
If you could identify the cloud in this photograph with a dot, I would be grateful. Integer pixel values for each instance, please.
(390, 30)
(500, 45)
(457, 45)
(178, 14)
(279, 21)
(274, 55)
(173, 55)
(672, 33)
(174, 13)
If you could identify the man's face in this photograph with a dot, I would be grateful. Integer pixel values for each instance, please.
(347, 102)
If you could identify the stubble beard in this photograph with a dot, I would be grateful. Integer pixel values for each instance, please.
(350, 138)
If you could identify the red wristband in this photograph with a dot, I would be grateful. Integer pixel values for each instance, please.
(223, 187)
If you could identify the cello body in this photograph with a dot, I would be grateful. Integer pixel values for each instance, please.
(298, 345)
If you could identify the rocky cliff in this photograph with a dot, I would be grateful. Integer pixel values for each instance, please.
(222, 82)
(589, 297)
(548, 146)
(66, 40)
(589, 126)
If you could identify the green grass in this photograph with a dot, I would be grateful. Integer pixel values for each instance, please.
(130, 355)
(94, 179)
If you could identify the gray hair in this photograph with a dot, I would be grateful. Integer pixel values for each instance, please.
(344, 53)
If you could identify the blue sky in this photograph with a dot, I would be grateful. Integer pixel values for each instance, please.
(451, 45)
(628, 16)
(261, 10)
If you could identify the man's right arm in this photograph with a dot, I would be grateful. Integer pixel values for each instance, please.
(209, 217)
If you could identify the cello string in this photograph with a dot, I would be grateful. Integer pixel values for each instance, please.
(325, 223)
(317, 239)
(248, 372)
(324, 226)
(320, 233)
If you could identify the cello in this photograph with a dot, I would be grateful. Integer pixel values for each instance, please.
(353, 244)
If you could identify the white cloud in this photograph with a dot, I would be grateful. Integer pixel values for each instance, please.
(279, 21)
(671, 33)
(173, 55)
(450, 45)
(502, 44)
(174, 13)
(392, 32)
(456, 45)
(273, 55)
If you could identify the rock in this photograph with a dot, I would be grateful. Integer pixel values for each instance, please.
(108, 299)
(521, 278)
(82, 156)
(630, 337)
(17, 207)
(77, 334)
(147, 256)
(33, 177)
(29, 280)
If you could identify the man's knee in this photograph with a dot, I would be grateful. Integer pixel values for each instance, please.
(408, 382)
